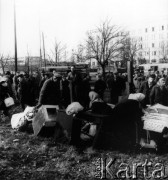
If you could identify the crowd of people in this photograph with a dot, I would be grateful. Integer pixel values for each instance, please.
(41, 89)
(24, 89)
(154, 86)
(55, 89)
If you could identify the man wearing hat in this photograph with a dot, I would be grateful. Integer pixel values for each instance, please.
(50, 93)
(44, 77)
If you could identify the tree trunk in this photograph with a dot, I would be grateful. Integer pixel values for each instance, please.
(3, 68)
(103, 72)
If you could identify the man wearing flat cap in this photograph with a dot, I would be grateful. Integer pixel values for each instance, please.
(50, 93)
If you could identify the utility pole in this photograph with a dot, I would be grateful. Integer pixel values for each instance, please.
(44, 51)
(15, 38)
(28, 60)
(40, 62)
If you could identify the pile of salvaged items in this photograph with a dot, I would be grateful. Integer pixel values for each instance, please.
(155, 126)
(47, 116)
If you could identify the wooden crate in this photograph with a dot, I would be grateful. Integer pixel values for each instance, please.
(46, 116)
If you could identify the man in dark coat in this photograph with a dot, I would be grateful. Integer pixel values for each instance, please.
(65, 91)
(100, 86)
(85, 92)
(159, 93)
(116, 85)
(44, 77)
(146, 88)
(50, 93)
(35, 81)
(23, 91)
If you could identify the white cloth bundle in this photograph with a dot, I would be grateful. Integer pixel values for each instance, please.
(19, 119)
(137, 96)
(74, 108)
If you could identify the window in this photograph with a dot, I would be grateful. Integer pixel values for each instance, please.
(146, 30)
(153, 53)
(153, 45)
(153, 28)
(162, 27)
(141, 46)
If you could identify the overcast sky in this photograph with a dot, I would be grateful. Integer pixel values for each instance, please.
(67, 20)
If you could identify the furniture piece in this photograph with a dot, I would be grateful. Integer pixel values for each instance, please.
(46, 116)
(88, 116)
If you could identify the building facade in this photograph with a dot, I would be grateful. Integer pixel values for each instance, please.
(152, 39)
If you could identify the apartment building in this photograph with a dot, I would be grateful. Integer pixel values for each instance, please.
(152, 39)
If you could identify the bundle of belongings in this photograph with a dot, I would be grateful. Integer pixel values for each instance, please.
(107, 126)
(20, 121)
(97, 106)
(156, 127)
(74, 108)
(86, 122)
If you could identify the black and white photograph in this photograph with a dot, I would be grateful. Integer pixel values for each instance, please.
(83, 89)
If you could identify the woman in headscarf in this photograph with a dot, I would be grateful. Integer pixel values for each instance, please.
(94, 97)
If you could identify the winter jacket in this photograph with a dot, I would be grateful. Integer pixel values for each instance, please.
(50, 93)
(159, 95)
(146, 90)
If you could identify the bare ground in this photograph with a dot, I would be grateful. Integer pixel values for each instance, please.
(24, 156)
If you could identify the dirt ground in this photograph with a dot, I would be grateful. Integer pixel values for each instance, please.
(24, 156)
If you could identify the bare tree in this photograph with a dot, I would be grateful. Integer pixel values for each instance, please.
(58, 51)
(72, 58)
(80, 53)
(131, 49)
(3, 62)
(105, 44)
